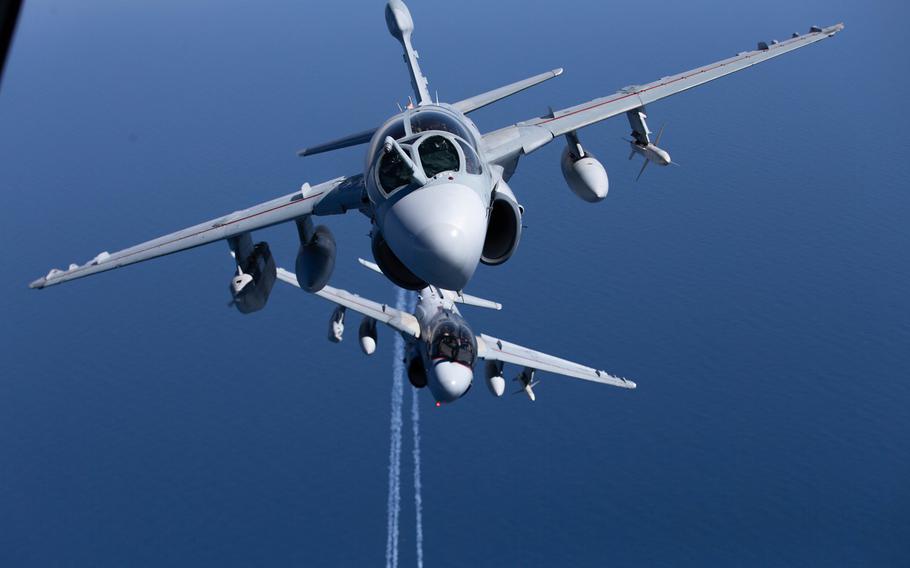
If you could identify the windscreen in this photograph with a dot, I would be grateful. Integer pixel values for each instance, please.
(454, 342)
(438, 154)
(471, 160)
(393, 172)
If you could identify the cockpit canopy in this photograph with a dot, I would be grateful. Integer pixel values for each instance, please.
(454, 342)
(433, 153)
(434, 140)
(427, 120)
(438, 154)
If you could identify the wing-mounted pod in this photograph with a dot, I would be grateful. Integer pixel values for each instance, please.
(586, 176)
(527, 381)
(336, 325)
(495, 381)
(316, 256)
(503, 227)
(368, 336)
(641, 141)
(252, 284)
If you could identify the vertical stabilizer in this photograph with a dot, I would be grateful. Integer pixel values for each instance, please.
(401, 26)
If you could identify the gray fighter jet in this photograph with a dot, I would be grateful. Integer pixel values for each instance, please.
(441, 350)
(435, 188)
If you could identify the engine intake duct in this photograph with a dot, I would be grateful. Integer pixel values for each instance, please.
(503, 228)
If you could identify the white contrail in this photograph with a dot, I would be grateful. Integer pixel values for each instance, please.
(415, 430)
(418, 499)
(394, 504)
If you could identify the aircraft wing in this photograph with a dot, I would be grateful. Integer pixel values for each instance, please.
(532, 134)
(396, 319)
(493, 349)
(332, 197)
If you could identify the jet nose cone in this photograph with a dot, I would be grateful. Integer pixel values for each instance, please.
(452, 380)
(450, 256)
(438, 233)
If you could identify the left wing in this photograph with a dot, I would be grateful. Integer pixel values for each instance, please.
(331, 197)
(493, 349)
(396, 319)
(530, 135)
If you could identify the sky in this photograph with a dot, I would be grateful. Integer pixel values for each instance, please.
(756, 294)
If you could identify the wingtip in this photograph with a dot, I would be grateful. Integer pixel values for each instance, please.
(38, 284)
(371, 265)
(831, 30)
(303, 153)
(558, 71)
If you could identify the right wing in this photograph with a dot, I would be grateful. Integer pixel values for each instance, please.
(401, 321)
(331, 197)
(525, 137)
(493, 349)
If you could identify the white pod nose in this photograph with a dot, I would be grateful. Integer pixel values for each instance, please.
(497, 385)
(368, 345)
(450, 380)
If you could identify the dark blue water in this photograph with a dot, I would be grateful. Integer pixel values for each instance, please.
(757, 294)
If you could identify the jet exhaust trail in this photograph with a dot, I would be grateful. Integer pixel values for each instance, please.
(418, 499)
(405, 301)
(394, 502)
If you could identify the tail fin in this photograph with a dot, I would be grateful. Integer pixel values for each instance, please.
(401, 26)
(470, 300)
(642, 170)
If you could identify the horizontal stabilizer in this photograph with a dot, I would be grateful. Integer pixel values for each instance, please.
(457, 297)
(371, 265)
(489, 97)
(346, 142)
(470, 300)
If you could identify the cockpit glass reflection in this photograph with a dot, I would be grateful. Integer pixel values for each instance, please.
(471, 161)
(438, 154)
(393, 172)
(454, 343)
(426, 120)
(394, 129)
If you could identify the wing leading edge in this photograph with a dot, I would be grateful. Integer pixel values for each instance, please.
(535, 133)
(493, 349)
(335, 196)
(396, 319)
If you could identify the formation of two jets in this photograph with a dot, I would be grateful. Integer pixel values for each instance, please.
(435, 190)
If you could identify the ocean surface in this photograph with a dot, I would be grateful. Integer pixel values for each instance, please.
(758, 294)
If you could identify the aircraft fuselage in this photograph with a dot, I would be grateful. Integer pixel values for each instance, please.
(446, 351)
(433, 220)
